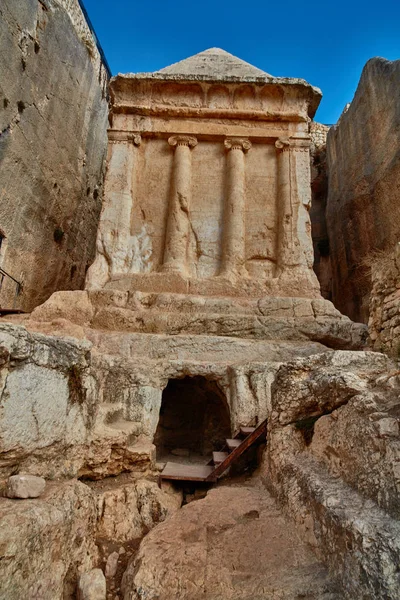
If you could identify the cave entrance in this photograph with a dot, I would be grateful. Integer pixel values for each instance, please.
(194, 420)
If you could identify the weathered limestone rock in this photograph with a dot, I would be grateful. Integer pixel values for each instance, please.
(323, 383)
(53, 121)
(47, 399)
(319, 190)
(128, 511)
(46, 542)
(333, 458)
(92, 585)
(384, 306)
(112, 564)
(273, 318)
(363, 212)
(25, 486)
(232, 544)
(75, 409)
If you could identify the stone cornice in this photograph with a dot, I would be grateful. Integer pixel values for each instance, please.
(208, 113)
(124, 87)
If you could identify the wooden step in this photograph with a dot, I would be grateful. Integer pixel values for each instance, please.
(186, 472)
(232, 444)
(219, 457)
(237, 447)
(247, 430)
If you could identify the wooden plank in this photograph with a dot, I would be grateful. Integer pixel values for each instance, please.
(181, 472)
(232, 444)
(219, 457)
(258, 433)
(247, 430)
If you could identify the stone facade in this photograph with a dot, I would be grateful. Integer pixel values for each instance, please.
(208, 182)
(363, 211)
(53, 119)
(384, 314)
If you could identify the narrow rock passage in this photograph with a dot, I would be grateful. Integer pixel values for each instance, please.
(235, 544)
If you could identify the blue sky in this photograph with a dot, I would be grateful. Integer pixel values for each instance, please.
(326, 43)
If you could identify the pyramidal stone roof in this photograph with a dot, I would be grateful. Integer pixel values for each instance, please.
(214, 63)
(217, 65)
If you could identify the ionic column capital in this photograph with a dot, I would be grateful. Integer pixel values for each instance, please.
(293, 144)
(236, 143)
(182, 140)
(124, 136)
(135, 138)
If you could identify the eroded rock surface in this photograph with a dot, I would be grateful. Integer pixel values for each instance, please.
(333, 459)
(129, 510)
(53, 122)
(234, 544)
(363, 212)
(92, 585)
(45, 543)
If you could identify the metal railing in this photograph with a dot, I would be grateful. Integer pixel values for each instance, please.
(18, 284)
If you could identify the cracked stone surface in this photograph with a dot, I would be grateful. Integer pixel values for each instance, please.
(53, 121)
(233, 545)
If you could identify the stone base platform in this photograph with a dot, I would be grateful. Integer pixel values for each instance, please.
(264, 318)
(291, 282)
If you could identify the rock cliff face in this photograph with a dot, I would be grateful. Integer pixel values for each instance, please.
(363, 212)
(332, 459)
(319, 189)
(53, 119)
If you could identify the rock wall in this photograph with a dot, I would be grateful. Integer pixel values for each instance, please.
(53, 120)
(363, 211)
(332, 459)
(48, 542)
(319, 190)
(384, 320)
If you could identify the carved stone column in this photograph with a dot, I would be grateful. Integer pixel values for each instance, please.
(294, 246)
(113, 236)
(178, 226)
(234, 236)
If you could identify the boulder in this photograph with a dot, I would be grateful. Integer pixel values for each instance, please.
(25, 486)
(92, 585)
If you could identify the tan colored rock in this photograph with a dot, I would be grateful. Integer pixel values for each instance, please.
(332, 460)
(323, 383)
(47, 542)
(363, 212)
(232, 544)
(112, 565)
(73, 306)
(384, 305)
(269, 317)
(52, 89)
(126, 512)
(25, 486)
(92, 585)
